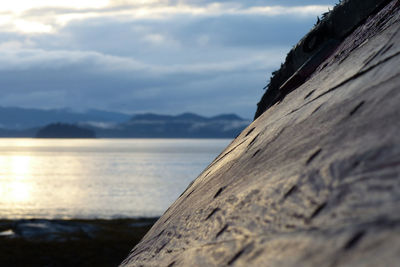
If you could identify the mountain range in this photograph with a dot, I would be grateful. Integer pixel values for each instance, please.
(22, 122)
(22, 118)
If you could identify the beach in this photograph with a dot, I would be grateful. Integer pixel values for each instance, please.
(75, 242)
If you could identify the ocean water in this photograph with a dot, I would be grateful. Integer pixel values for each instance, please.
(99, 178)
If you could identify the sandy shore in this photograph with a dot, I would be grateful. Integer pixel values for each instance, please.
(38, 242)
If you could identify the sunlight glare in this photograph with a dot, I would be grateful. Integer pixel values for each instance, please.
(16, 187)
(17, 14)
(18, 192)
(32, 26)
(19, 6)
(20, 167)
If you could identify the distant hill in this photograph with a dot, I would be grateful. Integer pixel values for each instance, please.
(21, 122)
(22, 133)
(62, 130)
(157, 117)
(23, 118)
(184, 117)
(186, 125)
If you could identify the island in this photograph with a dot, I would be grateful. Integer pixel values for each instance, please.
(63, 130)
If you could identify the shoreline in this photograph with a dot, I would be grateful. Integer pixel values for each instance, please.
(69, 242)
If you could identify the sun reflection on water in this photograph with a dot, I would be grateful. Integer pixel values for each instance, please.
(65, 178)
(17, 192)
(16, 187)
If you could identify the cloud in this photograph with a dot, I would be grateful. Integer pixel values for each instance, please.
(46, 17)
(87, 79)
(23, 59)
(136, 56)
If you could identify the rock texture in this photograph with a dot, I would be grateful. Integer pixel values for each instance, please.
(333, 28)
(314, 181)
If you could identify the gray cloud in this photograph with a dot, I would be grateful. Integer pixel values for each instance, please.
(183, 62)
(254, 2)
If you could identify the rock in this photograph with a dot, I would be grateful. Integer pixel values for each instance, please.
(7, 233)
(335, 25)
(314, 181)
(52, 230)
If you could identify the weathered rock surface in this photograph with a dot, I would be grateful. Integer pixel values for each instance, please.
(335, 26)
(314, 181)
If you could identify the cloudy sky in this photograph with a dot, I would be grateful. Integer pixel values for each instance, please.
(164, 56)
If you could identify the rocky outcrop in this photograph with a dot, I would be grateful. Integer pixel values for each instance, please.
(314, 181)
(315, 47)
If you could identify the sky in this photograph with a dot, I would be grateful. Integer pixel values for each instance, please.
(136, 56)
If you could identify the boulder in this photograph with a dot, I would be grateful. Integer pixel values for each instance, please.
(314, 181)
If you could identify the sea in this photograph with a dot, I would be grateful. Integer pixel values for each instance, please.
(98, 178)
